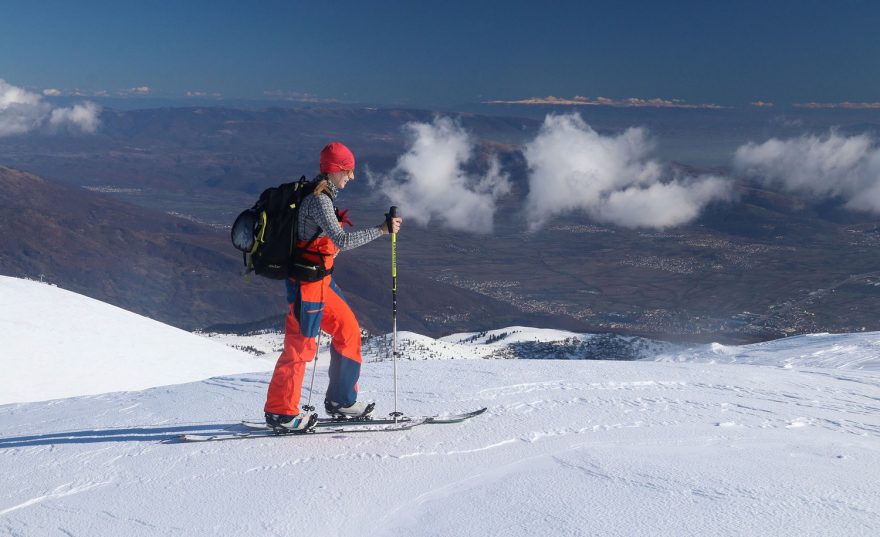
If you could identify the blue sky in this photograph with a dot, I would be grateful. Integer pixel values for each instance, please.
(450, 52)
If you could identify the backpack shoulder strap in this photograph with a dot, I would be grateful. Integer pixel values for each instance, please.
(320, 188)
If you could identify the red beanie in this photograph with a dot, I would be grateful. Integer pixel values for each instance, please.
(336, 158)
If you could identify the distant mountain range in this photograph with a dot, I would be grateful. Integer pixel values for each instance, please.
(187, 274)
(150, 234)
(184, 149)
(140, 259)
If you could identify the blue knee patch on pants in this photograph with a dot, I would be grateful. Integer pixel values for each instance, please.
(344, 374)
(310, 318)
(308, 314)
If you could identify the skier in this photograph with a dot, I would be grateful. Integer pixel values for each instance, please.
(320, 305)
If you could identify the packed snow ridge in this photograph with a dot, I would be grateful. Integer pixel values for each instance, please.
(703, 442)
(839, 351)
(59, 344)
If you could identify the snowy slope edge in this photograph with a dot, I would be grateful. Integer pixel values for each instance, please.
(61, 344)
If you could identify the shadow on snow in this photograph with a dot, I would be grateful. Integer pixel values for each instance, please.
(122, 434)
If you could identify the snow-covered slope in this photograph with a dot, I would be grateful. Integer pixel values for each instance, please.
(567, 448)
(837, 351)
(59, 344)
(503, 343)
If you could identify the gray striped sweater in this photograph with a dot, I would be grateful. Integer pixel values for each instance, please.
(317, 212)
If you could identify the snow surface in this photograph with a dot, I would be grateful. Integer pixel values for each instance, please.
(566, 448)
(504, 343)
(59, 344)
(837, 351)
(260, 343)
(511, 334)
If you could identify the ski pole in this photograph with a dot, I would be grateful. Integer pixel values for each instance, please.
(309, 407)
(392, 213)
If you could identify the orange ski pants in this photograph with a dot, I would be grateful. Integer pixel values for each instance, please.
(315, 306)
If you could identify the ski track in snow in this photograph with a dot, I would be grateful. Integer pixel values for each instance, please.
(66, 489)
(610, 448)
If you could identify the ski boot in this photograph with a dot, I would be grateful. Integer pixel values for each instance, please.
(287, 424)
(357, 411)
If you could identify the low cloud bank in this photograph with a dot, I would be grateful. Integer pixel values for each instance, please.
(631, 102)
(22, 111)
(846, 105)
(610, 178)
(431, 183)
(821, 167)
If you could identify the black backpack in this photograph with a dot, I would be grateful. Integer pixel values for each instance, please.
(266, 234)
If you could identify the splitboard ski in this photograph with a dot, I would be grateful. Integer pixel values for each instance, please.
(265, 432)
(369, 420)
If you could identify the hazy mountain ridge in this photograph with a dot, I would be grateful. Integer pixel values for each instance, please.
(164, 267)
(764, 265)
(188, 274)
(236, 150)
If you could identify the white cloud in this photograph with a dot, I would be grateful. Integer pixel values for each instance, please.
(430, 183)
(77, 92)
(22, 111)
(845, 105)
(610, 178)
(83, 116)
(298, 96)
(662, 205)
(12, 95)
(631, 102)
(204, 94)
(821, 167)
(124, 92)
(51, 92)
(140, 90)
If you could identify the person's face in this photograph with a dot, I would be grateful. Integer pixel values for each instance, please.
(340, 179)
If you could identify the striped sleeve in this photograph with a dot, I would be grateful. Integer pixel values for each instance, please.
(320, 211)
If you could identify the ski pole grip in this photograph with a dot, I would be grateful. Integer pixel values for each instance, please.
(392, 213)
